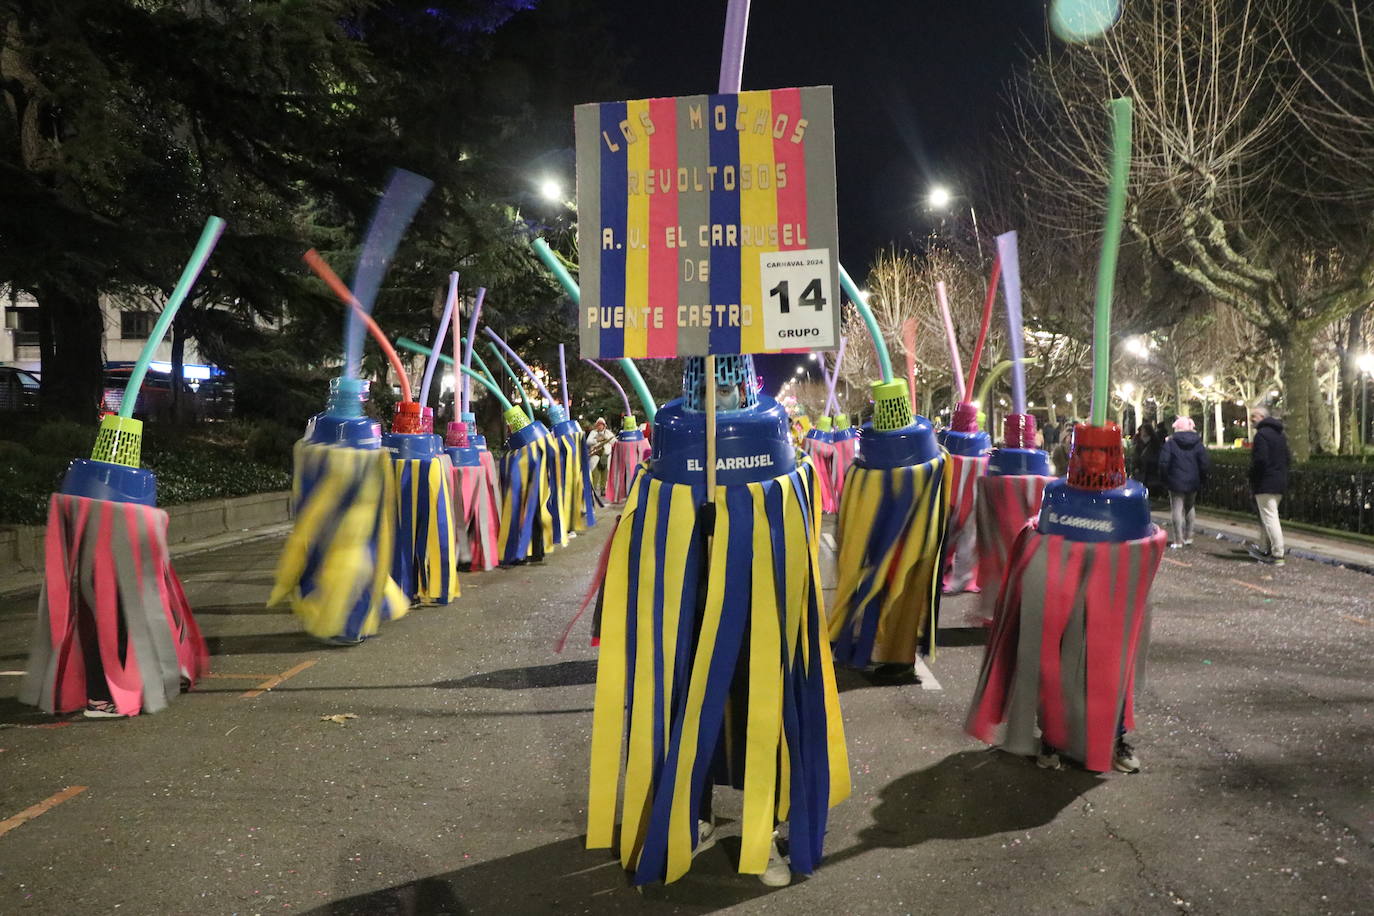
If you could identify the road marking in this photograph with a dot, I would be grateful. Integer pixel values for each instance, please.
(277, 679)
(1176, 562)
(928, 681)
(246, 677)
(42, 807)
(829, 540)
(1263, 591)
(1359, 620)
(12, 673)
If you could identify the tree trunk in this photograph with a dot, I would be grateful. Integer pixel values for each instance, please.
(177, 396)
(1297, 391)
(71, 333)
(1351, 379)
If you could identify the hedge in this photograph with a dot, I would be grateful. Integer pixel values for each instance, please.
(1329, 491)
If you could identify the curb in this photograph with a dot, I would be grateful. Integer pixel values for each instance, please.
(1206, 527)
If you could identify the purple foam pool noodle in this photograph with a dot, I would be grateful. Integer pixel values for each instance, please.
(1011, 284)
(515, 357)
(439, 342)
(472, 342)
(625, 398)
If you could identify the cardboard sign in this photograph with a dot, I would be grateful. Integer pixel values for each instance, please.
(707, 224)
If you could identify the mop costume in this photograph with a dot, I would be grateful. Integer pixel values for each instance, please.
(845, 440)
(476, 491)
(112, 617)
(574, 459)
(968, 449)
(819, 445)
(842, 437)
(1010, 494)
(526, 525)
(1072, 617)
(1071, 620)
(627, 454)
(1008, 497)
(712, 662)
(560, 501)
(114, 632)
(476, 495)
(892, 525)
(425, 561)
(335, 567)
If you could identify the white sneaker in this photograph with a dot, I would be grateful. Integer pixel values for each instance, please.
(778, 873)
(706, 837)
(1048, 759)
(1188, 542)
(96, 709)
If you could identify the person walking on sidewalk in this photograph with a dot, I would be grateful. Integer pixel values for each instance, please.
(1183, 467)
(1268, 482)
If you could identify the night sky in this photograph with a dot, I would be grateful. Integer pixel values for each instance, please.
(917, 84)
(917, 88)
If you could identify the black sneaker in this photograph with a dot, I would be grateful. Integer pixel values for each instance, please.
(1124, 758)
(894, 675)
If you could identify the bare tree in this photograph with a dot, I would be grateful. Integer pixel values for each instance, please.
(901, 286)
(1232, 187)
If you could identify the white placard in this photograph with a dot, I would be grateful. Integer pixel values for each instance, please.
(800, 307)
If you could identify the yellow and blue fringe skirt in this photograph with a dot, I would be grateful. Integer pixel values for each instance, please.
(580, 504)
(526, 523)
(335, 568)
(700, 643)
(425, 565)
(891, 543)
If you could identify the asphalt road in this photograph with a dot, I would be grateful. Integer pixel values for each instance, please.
(459, 786)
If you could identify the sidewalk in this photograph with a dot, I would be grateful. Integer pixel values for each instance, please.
(1332, 551)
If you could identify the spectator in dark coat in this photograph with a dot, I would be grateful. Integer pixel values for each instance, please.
(1183, 468)
(1269, 459)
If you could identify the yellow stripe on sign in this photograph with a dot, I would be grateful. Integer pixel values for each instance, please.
(758, 208)
(637, 236)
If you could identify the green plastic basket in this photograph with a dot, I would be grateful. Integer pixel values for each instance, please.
(891, 405)
(120, 441)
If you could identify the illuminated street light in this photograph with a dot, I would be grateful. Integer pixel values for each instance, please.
(1128, 389)
(1068, 399)
(551, 190)
(1366, 364)
(1209, 380)
(939, 197)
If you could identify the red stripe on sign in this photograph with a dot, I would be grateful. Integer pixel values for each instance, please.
(789, 163)
(663, 260)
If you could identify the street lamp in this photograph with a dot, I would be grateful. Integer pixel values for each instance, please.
(939, 197)
(550, 189)
(1137, 347)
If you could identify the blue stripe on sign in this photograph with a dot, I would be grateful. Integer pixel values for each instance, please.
(725, 260)
(614, 204)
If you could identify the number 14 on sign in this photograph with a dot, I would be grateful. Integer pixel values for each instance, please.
(797, 289)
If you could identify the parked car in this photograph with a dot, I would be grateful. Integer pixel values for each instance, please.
(154, 397)
(18, 389)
